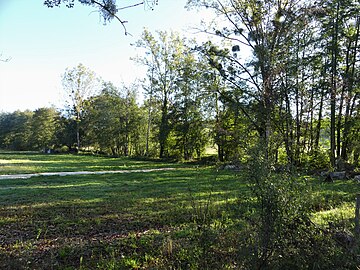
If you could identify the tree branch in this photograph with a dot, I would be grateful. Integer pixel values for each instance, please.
(104, 7)
(135, 5)
(4, 59)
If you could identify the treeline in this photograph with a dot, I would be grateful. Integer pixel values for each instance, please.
(109, 122)
(283, 74)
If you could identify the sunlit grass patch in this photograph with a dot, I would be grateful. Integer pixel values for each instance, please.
(24, 161)
(47, 186)
(341, 216)
(328, 196)
(5, 219)
(18, 162)
(59, 203)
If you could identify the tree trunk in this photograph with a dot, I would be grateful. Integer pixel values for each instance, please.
(164, 129)
(334, 59)
(78, 132)
(357, 217)
(218, 136)
(298, 127)
(288, 130)
(266, 110)
(318, 125)
(345, 88)
(148, 130)
(350, 84)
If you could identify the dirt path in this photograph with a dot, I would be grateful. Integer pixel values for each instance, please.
(29, 175)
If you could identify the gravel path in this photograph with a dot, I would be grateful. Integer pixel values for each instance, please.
(29, 175)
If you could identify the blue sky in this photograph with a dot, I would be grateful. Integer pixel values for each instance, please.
(43, 42)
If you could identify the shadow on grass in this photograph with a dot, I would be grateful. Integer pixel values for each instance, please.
(49, 220)
(29, 162)
(331, 195)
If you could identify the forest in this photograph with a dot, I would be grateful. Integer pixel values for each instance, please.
(274, 92)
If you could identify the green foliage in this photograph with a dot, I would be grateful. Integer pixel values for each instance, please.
(173, 86)
(319, 159)
(14, 130)
(186, 115)
(287, 86)
(79, 84)
(43, 128)
(284, 236)
(113, 122)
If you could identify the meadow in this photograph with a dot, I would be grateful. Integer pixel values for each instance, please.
(192, 217)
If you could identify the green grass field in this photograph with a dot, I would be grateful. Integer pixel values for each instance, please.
(187, 218)
(31, 162)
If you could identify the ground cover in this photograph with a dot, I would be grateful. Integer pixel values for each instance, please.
(188, 218)
(32, 162)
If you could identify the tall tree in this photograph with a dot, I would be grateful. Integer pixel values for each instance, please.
(350, 95)
(340, 32)
(164, 57)
(43, 128)
(186, 114)
(79, 84)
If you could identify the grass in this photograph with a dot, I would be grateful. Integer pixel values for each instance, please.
(103, 221)
(334, 202)
(186, 218)
(31, 162)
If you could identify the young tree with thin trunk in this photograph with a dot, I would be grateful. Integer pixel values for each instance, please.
(339, 26)
(163, 60)
(79, 83)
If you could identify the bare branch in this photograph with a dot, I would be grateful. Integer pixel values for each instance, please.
(135, 5)
(107, 8)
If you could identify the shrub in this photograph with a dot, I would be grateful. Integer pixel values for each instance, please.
(283, 235)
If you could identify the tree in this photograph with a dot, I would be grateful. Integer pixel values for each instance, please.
(14, 130)
(264, 28)
(43, 128)
(79, 84)
(186, 112)
(113, 121)
(65, 132)
(163, 61)
(339, 28)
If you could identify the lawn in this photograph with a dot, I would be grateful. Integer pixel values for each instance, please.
(32, 162)
(187, 218)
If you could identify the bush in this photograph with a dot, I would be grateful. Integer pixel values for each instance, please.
(317, 160)
(283, 235)
(62, 149)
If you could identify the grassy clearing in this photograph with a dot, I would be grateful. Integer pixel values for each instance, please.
(30, 162)
(104, 221)
(188, 218)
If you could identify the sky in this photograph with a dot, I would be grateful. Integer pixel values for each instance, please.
(42, 42)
